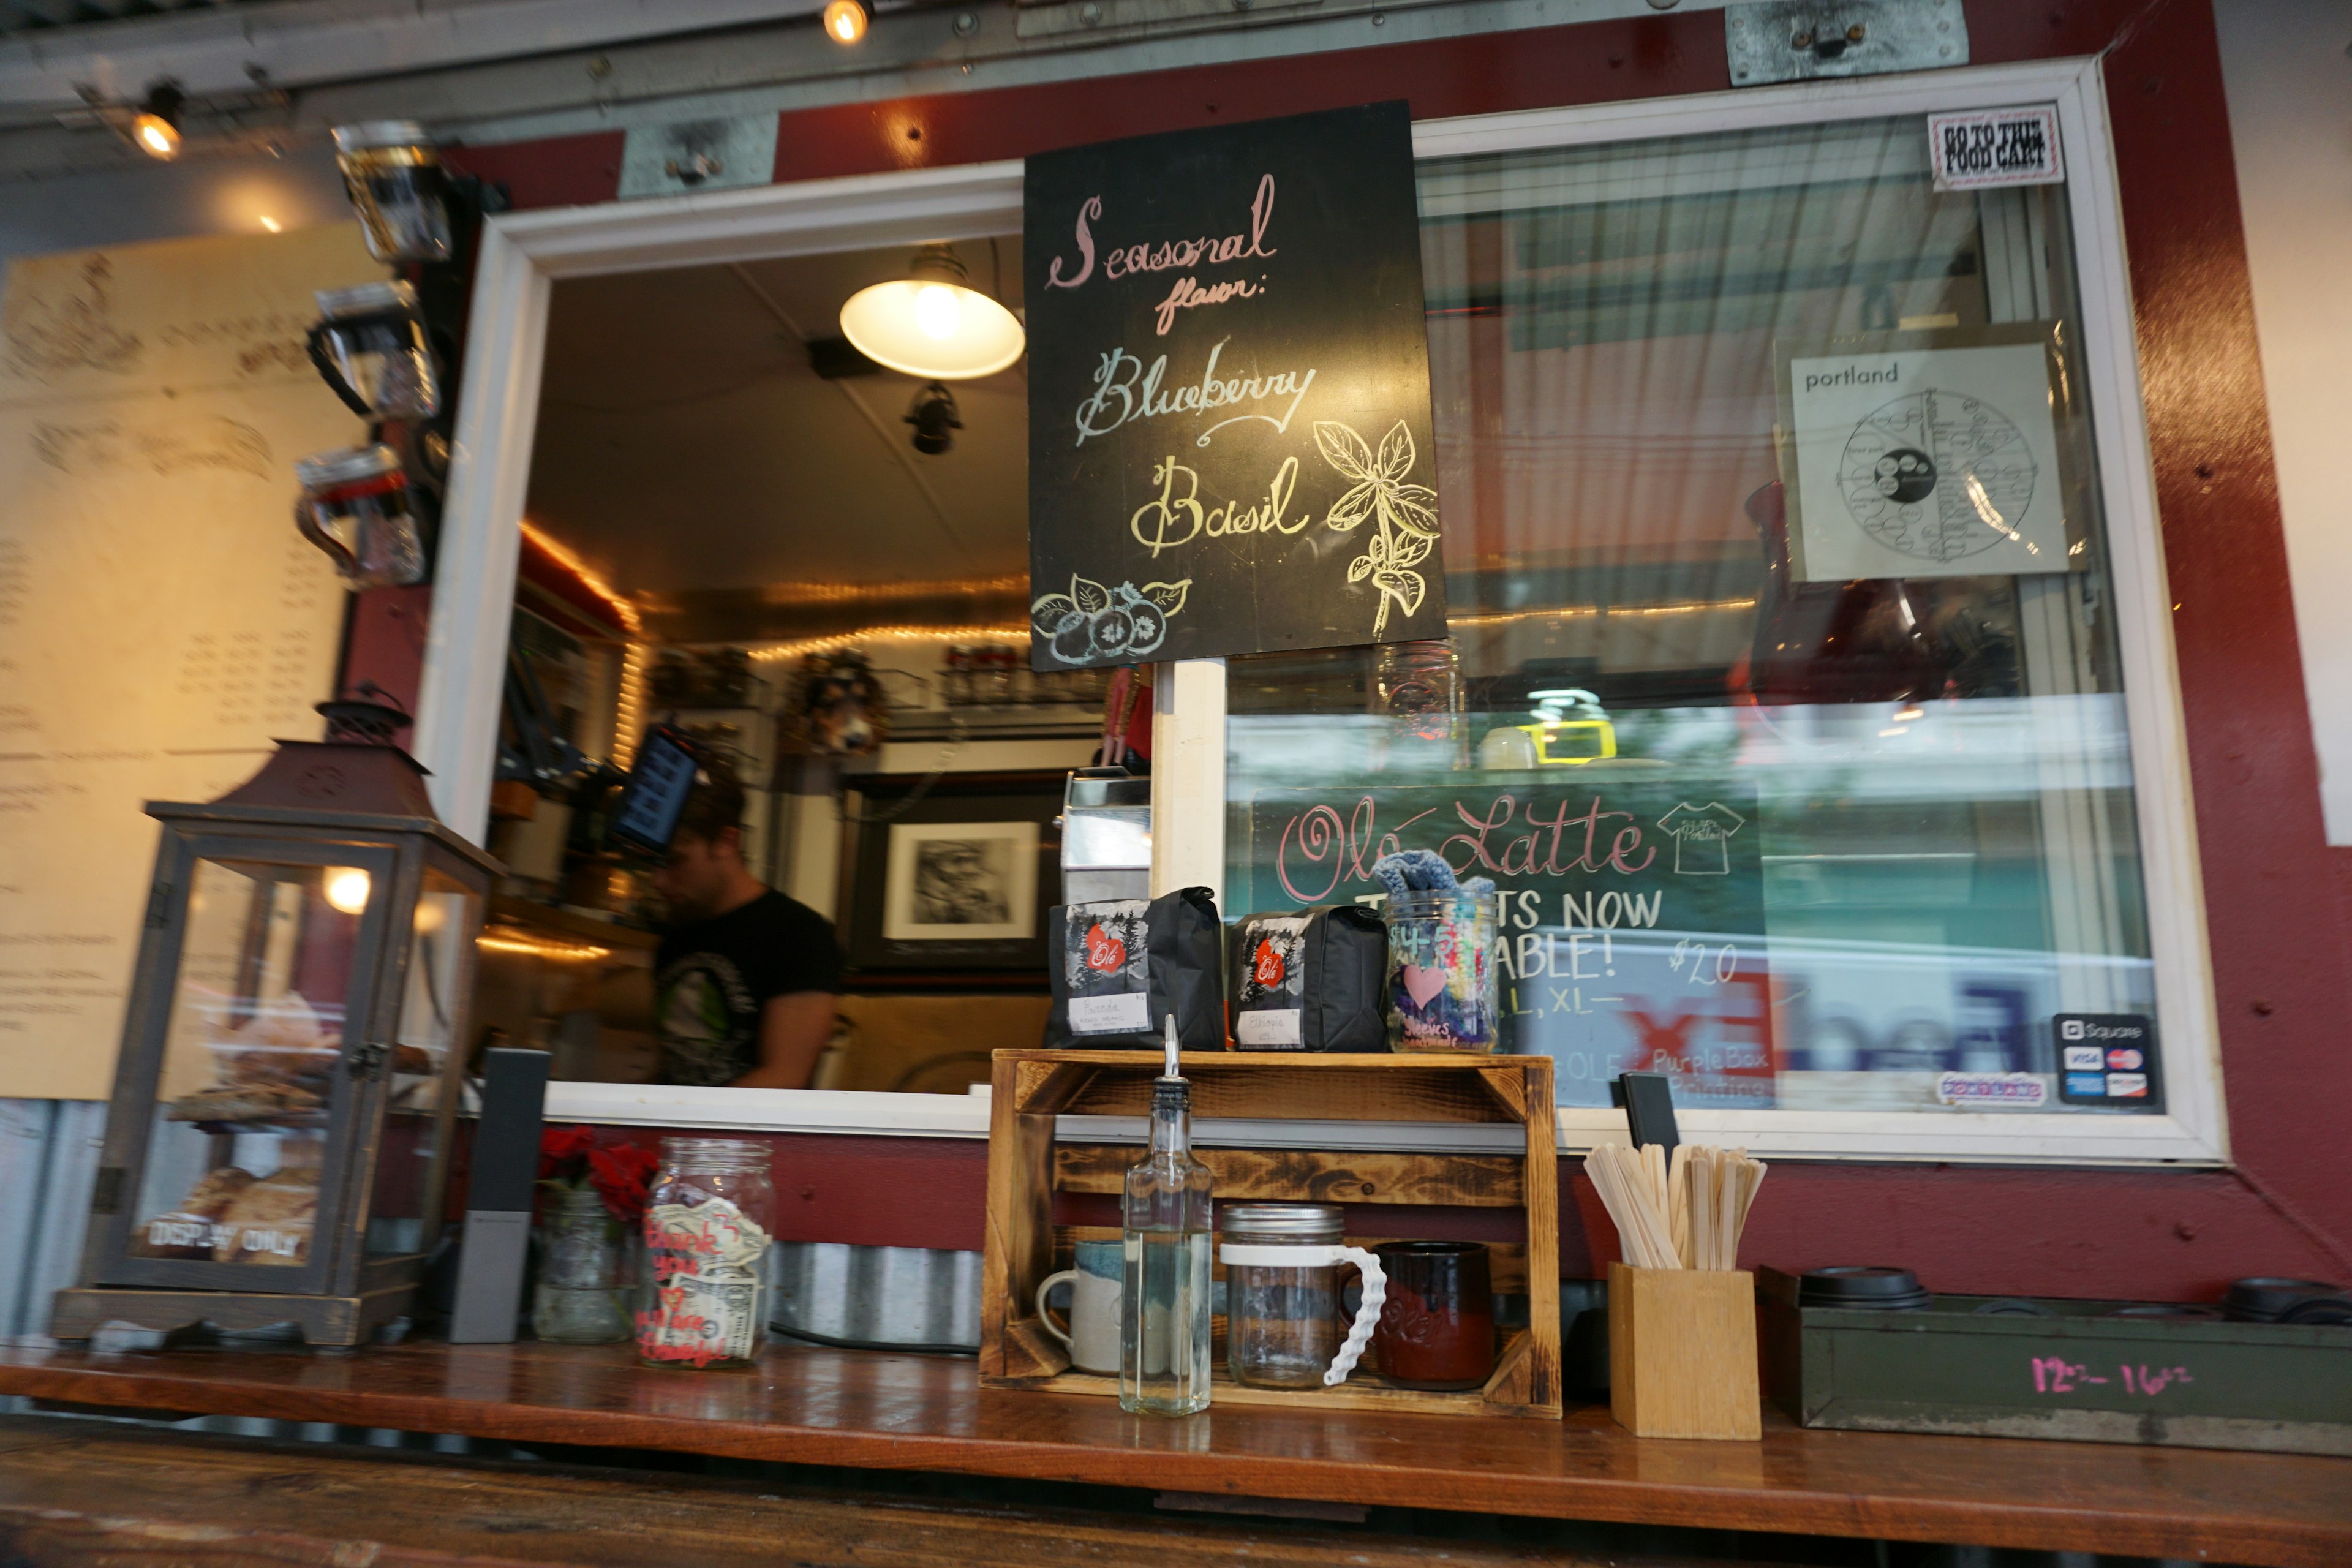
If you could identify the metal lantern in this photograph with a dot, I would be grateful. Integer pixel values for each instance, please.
(279, 1132)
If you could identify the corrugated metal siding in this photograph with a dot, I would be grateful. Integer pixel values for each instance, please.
(49, 1163)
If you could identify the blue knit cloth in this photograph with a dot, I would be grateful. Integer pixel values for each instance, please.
(1426, 871)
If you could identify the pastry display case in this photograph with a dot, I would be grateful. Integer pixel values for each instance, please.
(280, 1132)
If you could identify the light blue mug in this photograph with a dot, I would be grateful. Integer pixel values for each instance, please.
(1095, 1287)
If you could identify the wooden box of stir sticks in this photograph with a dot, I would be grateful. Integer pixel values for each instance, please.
(1682, 1318)
(1054, 1171)
(1682, 1352)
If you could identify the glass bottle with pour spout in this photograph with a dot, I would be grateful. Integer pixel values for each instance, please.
(1163, 1339)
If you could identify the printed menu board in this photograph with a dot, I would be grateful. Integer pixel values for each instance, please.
(1633, 911)
(160, 621)
(1230, 447)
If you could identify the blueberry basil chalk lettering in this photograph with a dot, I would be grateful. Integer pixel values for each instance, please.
(1137, 395)
(1230, 442)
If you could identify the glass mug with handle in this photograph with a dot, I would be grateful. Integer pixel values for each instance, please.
(1283, 1312)
(1095, 1286)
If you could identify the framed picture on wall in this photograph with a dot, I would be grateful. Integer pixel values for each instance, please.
(960, 881)
(954, 878)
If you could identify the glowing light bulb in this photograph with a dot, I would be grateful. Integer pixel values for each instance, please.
(936, 311)
(347, 889)
(846, 20)
(157, 136)
(271, 224)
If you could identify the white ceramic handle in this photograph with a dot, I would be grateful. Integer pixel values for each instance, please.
(1045, 1315)
(1367, 1315)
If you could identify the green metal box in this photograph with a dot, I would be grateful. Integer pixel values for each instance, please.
(2079, 1373)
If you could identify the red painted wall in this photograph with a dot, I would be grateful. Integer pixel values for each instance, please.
(2281, 944)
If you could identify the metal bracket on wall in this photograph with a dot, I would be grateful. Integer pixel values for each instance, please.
(712, 155)
(1797, 40)
(1054, 19)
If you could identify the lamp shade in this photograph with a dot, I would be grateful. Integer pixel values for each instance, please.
(931, 324)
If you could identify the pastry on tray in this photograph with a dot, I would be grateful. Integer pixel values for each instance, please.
(270, 1222)
(187, 1231)
(246, 1102)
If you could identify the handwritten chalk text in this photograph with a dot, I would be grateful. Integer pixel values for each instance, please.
(1125, 391)
(1167, 255)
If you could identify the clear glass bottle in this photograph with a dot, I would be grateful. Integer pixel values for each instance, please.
(702, 1300)
(1163, 1334)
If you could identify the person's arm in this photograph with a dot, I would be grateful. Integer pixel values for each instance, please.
(792, 1030)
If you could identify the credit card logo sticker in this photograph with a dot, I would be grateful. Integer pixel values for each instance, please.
(2088, 1083)
(2127, 1085)
(2084, 1059)
(2123, 1058)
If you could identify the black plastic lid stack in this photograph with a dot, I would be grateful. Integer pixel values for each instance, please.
(2265, 1299)
(1869, 1286)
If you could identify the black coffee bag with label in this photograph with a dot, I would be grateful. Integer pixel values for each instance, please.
(1314, 981)
(1122, 968)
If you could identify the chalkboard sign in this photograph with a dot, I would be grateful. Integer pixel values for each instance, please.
(1230, 447)
(1633, 911)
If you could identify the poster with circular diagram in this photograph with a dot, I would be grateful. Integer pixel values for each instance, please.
(1924, 455)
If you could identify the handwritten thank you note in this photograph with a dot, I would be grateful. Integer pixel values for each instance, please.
(1230, 447)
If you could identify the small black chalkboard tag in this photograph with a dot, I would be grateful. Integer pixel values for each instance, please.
(1230, 447)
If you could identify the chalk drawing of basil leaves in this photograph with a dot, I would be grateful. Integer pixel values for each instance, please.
(1092, 622)
(1406, 514)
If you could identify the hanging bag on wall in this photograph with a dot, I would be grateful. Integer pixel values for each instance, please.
(1122, 967)
(1313, 981)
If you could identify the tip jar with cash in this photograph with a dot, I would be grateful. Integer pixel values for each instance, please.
(709, 1219)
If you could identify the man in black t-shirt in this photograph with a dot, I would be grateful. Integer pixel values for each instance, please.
(745, 983)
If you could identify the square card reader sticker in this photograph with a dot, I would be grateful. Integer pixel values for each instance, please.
(2092, 1046)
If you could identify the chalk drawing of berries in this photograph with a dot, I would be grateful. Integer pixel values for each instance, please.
(1092, 624)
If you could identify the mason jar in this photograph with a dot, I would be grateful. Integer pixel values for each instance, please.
(1442, 990)
(393, 174)
(709, 1218)
(1284, 1326)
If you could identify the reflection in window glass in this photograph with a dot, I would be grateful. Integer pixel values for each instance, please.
(439, 977)
(1783, 701)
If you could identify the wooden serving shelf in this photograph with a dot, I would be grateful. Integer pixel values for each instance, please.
(1025, 1170)
(811, 1406)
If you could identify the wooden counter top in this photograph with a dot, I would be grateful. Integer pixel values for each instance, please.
(810, 1405)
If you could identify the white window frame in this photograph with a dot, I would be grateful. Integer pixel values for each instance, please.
(523, 255)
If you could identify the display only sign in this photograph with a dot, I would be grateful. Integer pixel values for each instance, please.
(1230, 447)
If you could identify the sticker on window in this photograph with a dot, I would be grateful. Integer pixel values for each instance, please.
(1978, 149)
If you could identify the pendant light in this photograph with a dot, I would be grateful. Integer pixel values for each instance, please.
(932, 323)
(846, 21)
(156, 129)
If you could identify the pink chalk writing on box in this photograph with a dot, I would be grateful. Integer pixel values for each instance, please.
(2056, 1375)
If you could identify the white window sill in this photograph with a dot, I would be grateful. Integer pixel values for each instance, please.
(1872, 1136)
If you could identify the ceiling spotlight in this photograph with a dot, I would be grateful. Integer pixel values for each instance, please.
(156, 127)
(846, 21)
(932, 322)
(933, 416)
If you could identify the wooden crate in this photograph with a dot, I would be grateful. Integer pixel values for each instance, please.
(1031, 1087)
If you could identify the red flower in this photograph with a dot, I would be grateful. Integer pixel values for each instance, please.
(560, 1151)
(621, 1175)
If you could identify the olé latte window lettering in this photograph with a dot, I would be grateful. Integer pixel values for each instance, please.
(1230, 439)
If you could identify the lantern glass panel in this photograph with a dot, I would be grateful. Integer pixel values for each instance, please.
(440, 978)
(238, 1146)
